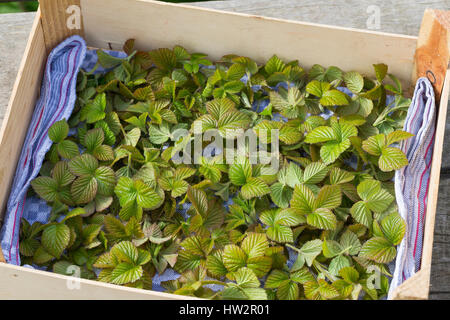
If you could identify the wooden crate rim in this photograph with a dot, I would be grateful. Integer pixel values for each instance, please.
(49, 29)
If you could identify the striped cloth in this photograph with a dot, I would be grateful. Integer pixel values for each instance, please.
(412, 181)
(55, 103)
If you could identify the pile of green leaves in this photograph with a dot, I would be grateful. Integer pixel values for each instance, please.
(124, 210)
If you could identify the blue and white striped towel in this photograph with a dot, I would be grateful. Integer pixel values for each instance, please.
(55, 103)
(412, 181)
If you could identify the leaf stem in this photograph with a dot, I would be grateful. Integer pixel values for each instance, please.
(315, 156)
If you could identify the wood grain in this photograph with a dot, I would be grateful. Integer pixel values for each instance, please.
(399, 16)
(433, 49)
(54, 21)
(109, 23)
(14, 32)
(20, 108)
(25, 284)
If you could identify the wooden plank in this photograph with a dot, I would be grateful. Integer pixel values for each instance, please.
(29, 284)
(2, 258)
(433, 49)
(435, 174)
(417, 287)
(60, 19)
(20, 109)
(399, 16)
(109, 23)
(14, 32)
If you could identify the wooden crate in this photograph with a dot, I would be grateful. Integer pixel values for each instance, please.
(108, 23)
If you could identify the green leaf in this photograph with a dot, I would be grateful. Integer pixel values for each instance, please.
(320, 134)
(376, 198)
(317, 88)
(107, 61)
(215, 265)
(146, 197)
(55, 239)
(280, 194)
(74, 213)
(293, 175)
(67, 149)
(349, 274)
(329, 197)
(392, 159)
(350, 242)
(84, 164)
(396, 136)
(61, 174)
(308, 253)
(303, 199)
(58, 131)
(128, 190)
(289, 217)
(276, 278)
(274, 64)
(125, 251)
(132, 137)
(374, 144)
(314, 173)
(339, 176)
(288, 291)
(199, 201)
(240, 171)
(90, 233)
(361, 213)
(338, 263)
(84, 189)
(104, 153)
(234, 257)
(254, 187)
(334, 98)
(331, 248)
(354, 81)
(255, 244)
(379, 250)
(126, 273)
(106, 181)
(93, 139)
(322, 218)
(394, 228)
(94, 110)
(46, 188)
(277, 231)
(380, 71)
(28, 247)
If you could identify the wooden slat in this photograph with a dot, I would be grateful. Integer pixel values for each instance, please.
(29, 284)
(55, 17)
(154, 24)
(20, 109)
(433, 49)
(418, 286)
(2, 258)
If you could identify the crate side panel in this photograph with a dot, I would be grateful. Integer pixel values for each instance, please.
(29, 284)
(20, 109)
(109, 23)
(435, 174)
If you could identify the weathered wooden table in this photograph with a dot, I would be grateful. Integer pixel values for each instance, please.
(401, 16)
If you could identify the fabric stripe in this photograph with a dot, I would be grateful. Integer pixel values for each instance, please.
(61, 71)
(412, 181)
